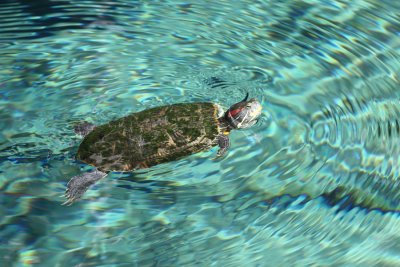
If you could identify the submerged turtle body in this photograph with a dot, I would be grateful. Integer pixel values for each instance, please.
(151, 137)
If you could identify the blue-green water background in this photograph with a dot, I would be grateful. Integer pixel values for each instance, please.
(314, 183)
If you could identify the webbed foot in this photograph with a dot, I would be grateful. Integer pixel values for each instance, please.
(79, 184)
(84, 128)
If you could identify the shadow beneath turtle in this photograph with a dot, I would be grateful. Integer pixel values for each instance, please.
(137, 179)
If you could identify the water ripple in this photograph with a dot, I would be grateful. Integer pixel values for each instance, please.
(314, 182)
(359, 141)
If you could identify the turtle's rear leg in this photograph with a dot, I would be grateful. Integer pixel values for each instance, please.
(79, 184)
(84, 128)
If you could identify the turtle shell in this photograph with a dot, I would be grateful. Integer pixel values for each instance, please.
(151, 137)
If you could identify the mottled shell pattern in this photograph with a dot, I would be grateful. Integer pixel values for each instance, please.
(151, 137)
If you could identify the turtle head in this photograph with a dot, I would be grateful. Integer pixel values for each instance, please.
(244, 113)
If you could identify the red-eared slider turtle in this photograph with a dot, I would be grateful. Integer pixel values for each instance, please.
(155, 136)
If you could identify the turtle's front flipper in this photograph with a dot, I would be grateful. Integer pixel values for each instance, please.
(84, 128)
(79, 184)
(223, 143)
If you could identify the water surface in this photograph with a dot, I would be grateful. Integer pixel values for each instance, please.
(314, 183)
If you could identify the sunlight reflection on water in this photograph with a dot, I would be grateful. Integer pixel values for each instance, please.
(313, 183)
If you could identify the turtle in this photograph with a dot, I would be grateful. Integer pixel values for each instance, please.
(154, 136)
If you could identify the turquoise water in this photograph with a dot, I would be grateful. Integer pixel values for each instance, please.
(314, 183)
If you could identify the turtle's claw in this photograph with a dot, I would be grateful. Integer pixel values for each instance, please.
(67, 203)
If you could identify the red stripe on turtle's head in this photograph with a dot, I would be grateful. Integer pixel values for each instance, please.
(234, 112)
